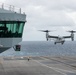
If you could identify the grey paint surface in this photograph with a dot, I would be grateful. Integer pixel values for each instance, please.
(35, 66)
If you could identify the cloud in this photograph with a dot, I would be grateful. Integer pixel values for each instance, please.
(2, 1)
(46, 14)
(51, 4)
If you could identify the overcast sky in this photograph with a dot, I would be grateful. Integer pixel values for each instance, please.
(58, 15)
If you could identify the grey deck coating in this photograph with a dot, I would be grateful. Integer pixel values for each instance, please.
(61, 65)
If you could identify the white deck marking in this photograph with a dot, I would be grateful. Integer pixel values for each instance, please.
(49, 67)
(73, 71)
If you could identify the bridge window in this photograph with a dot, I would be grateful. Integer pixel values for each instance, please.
(11, 29)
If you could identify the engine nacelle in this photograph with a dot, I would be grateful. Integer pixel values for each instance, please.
(47, 36)
(72, 36)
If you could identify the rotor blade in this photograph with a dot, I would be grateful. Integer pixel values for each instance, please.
(45, 30)
(72, 31)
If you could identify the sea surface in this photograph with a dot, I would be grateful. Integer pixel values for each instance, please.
(43, 48)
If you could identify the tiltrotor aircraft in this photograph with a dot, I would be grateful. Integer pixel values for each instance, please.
(59, 39)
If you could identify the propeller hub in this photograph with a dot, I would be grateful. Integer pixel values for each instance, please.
(45, 30)
(72, 31)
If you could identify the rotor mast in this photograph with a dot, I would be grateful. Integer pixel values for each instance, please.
(47, 33)
(72, 34)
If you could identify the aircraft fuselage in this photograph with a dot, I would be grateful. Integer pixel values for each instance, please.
(59, 40)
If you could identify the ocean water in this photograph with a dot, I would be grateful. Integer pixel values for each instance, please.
(43, 48)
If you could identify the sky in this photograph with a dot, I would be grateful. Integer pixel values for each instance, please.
(56, 15)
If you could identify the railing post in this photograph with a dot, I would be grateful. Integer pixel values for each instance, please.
(3, 6)
(10, 7)
(13, 8)
(20, 10)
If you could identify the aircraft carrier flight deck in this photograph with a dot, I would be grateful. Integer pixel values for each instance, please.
(50, 65)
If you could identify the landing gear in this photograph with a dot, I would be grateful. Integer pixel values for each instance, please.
(62, 43)
(55, 43)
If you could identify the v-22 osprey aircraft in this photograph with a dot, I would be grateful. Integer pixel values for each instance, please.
(59, 39)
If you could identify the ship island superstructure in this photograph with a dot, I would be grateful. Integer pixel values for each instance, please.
(12, 22)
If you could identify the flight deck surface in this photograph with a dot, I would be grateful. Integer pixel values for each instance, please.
(48, 65)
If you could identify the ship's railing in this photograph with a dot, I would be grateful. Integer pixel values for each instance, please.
(10, 7)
